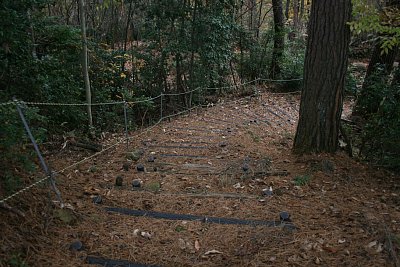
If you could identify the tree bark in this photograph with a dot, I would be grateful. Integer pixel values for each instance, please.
(296, 14)
(128, 21)
(259, 20)
(85, 64)
(287, 8)
(324, 75)
(301, 10)
(252, 16)
(193, 46)
(279, 44)
(383, 60)
(378, 60)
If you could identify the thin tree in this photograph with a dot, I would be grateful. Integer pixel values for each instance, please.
(279, 44)
(324, 75)
(287, 8)
(85, 64)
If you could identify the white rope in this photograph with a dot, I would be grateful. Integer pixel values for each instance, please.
(146, 100)
(183, 93)
(143, 101)
(7, 103)
(60, 171)
(69, 104)
(288, 80)
(24, 189)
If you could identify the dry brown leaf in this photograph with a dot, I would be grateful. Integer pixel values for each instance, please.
(197, 245)
(212, 252)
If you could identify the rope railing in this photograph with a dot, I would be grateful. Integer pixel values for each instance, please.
(127, 138)
(69, 104)
(7, 103)
(149, 99)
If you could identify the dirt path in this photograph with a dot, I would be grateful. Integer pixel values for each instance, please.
(210, 169)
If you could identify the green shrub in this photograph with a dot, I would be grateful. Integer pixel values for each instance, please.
(302, 180)
(381, 134)
(16, 154)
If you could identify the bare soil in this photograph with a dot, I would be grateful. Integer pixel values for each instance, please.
(213, 162)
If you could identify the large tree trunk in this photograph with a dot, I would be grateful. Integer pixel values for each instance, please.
(85, 67)
(277, 53)
(324, 75)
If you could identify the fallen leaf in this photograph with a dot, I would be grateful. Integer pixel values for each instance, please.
(330, 249)
(238, 186)
(372, 244)
(135, 232)
(379, 249)
(181, 244)
(145, 235)
(293, 258)
(197, 245)
(212, 252)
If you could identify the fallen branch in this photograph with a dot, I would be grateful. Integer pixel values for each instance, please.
(273, 173)
(93, 147)
(11, 209)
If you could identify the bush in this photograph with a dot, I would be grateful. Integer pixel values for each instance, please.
(381, 133)
(13, 144)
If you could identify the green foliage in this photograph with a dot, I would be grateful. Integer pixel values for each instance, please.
(370, 18)
(16, 260)
(293, 63)
(13, 144)
(153, 187)
(350, 88)
(255, 60)
(255, 56)
(302, 180)
(381, 133)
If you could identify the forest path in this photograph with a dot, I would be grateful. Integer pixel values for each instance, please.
(201, 201)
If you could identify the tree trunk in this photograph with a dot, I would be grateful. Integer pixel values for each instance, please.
(128, 21)
(324, 75)
(277, 52)
(85, 66)
(378, 60)
(296, 15)
(287, 8)
(301, 10)
(193, 46)
(385, 60)
(252, 15)
(396, 77)
(259, 20)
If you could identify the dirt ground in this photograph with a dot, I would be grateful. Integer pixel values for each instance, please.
(213, 162)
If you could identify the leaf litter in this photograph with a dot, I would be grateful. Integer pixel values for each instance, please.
(345, 215)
